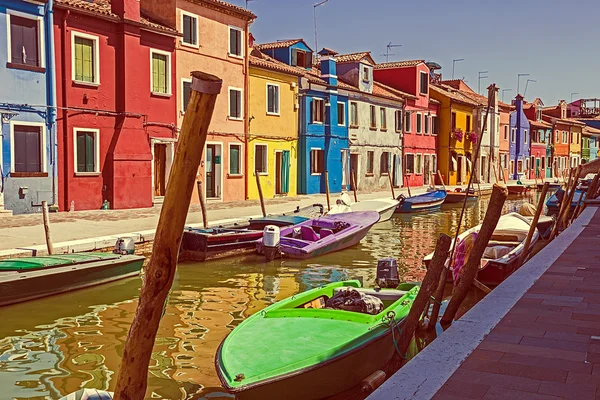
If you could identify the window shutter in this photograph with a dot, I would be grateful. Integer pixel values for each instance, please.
(312, 110)
(80, 152)
(308, 59)
(294, 57)
(88, 62)
(78, 60)
(187, 91)
(276, 99)
(194, 28)
(162, 78)
(89, 153)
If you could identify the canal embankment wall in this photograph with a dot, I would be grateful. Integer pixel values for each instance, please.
(547, 283)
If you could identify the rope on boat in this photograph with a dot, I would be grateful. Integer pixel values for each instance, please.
(389, 320)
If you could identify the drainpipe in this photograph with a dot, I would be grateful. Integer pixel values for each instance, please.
(65, 105)
(246, 113)
(51, 96)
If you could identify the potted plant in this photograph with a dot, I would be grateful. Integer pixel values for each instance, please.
(472, 136)
(458, 134)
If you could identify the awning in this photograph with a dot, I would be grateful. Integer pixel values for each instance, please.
(454, 164)
(469, 165)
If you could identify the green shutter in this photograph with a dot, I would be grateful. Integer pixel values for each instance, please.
(234, 160)
(81, 152)
(285, 171)
(159, 73)
(90, 155)
(84, 60)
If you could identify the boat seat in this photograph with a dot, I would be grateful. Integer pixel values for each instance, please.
(309, 234)
(383, 294)
(325, 232)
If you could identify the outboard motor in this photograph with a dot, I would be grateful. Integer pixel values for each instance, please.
(124, 246)
(387, 273)
(271, 238)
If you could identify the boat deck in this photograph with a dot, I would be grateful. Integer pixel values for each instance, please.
(537, 336)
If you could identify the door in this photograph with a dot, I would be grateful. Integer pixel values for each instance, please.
(285, 172)
(459, 170)
(278, 174)
(397, 172)
(210, 171)
(354, 170)
(160, 169)
(426, 169)
(537, 168)
(345, 170)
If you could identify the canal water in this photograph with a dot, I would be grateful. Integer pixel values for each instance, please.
(57, 345)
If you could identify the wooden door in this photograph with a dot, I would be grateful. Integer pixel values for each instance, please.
(426, 169)
(160, 168)
(210, 171)
(353, 170)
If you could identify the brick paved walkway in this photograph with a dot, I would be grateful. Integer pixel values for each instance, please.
(548, 345)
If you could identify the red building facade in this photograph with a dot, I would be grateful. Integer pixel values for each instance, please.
(420, 128)
(116, 97)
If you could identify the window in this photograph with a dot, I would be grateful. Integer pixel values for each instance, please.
(370, 161)
(419, 164)
(435, 123)
(25, 37)
(468, 123)
(27, 148)
(353, 114)
(384, 163)
(512, 166)
(87, 151)
(453, 121)
(525, 136)
(426, 124)
(186, 92)
(366, 74)
(373, 117)
(301, 58)
(260, 158)
(317, 110)
(503, 161)
(407, 121)
(235, 159)
(189, 25)
(520, 166)
(410, 164)
(556, 136)
(563, 113)
(433, 163)
(85, 62)
(398, 120)
(235, 103)
(453, 161)
(160, 72)
(513, 135)
(317, 162)
(272, 99)
(419, 122)
(383, 118)
(235, 42)
(505, 132)
(424, 83)
(341, 111)
(538, 114)
(565, 137)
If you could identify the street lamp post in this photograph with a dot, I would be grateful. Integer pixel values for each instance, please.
(527, 84)
(519, 76)
(454, 63)
(504, 90)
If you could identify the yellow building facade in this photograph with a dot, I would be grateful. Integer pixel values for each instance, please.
(455, 115)
(575, 145)
(272, 147)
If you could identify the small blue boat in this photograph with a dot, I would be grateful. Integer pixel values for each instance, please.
(422, 202)
(553, 203)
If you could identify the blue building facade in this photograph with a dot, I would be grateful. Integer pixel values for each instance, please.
(520, 140)
(594, 147)
(27, 116)
(323, 148)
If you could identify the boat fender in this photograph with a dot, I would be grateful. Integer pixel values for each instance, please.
(373, 381)
(401, 199)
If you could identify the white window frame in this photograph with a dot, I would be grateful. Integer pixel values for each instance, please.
(372, 117)
(372, 172)
(266, 172)
(41, 34)
(354, 122)
(426, 124)
(344, 113)
(43, 158)
(168, 73)
(312, 120)
(421, 73)
(398, 117)
(383, 118)
(183, 80)
(241, 117)
(96, 151)
(229, 53)
(513, 135)
(195, 16)
(417, 130)
(310, 161)
(241, 159)
(408, 126)
(96, 41)
(421, 166)
(525, 136)
(278, 105)
(406, 163)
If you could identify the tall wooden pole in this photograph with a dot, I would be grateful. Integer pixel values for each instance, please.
(202, 205)
(133, 372)
(565, 217)
(391, 186)
(470, 269)
(534, 223)
(327, 190)
(46, 219)
(353, 177)
(260, 194)
(495, 172)
(408, 186)
(441, 179)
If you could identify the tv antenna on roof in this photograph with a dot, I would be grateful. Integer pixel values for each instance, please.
(387, 50)
(248, 1)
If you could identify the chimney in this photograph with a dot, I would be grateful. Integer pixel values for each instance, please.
(126, 9)
(328, 66)
(519, 103)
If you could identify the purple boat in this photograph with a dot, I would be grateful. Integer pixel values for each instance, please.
(324, 235)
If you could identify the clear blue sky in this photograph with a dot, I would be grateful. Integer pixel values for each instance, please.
(554, 41)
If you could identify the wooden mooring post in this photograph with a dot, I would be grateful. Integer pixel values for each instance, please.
(534, 223)
(327, 190)
(133, 373)
(408, 186)
(353, 177)
(439, 174)
(46, 219)
(202, 204)
(391, 186)
(470, 269)
(260, 194)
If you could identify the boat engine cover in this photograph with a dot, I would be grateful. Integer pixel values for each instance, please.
(387, 273)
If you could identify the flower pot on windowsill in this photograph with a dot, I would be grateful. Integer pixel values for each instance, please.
(457, 135)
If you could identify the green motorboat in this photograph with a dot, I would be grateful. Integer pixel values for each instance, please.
(23, 279)
(297, 349)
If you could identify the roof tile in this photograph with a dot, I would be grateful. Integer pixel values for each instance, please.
(399, 64)
(280, 44)
(353, 57)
